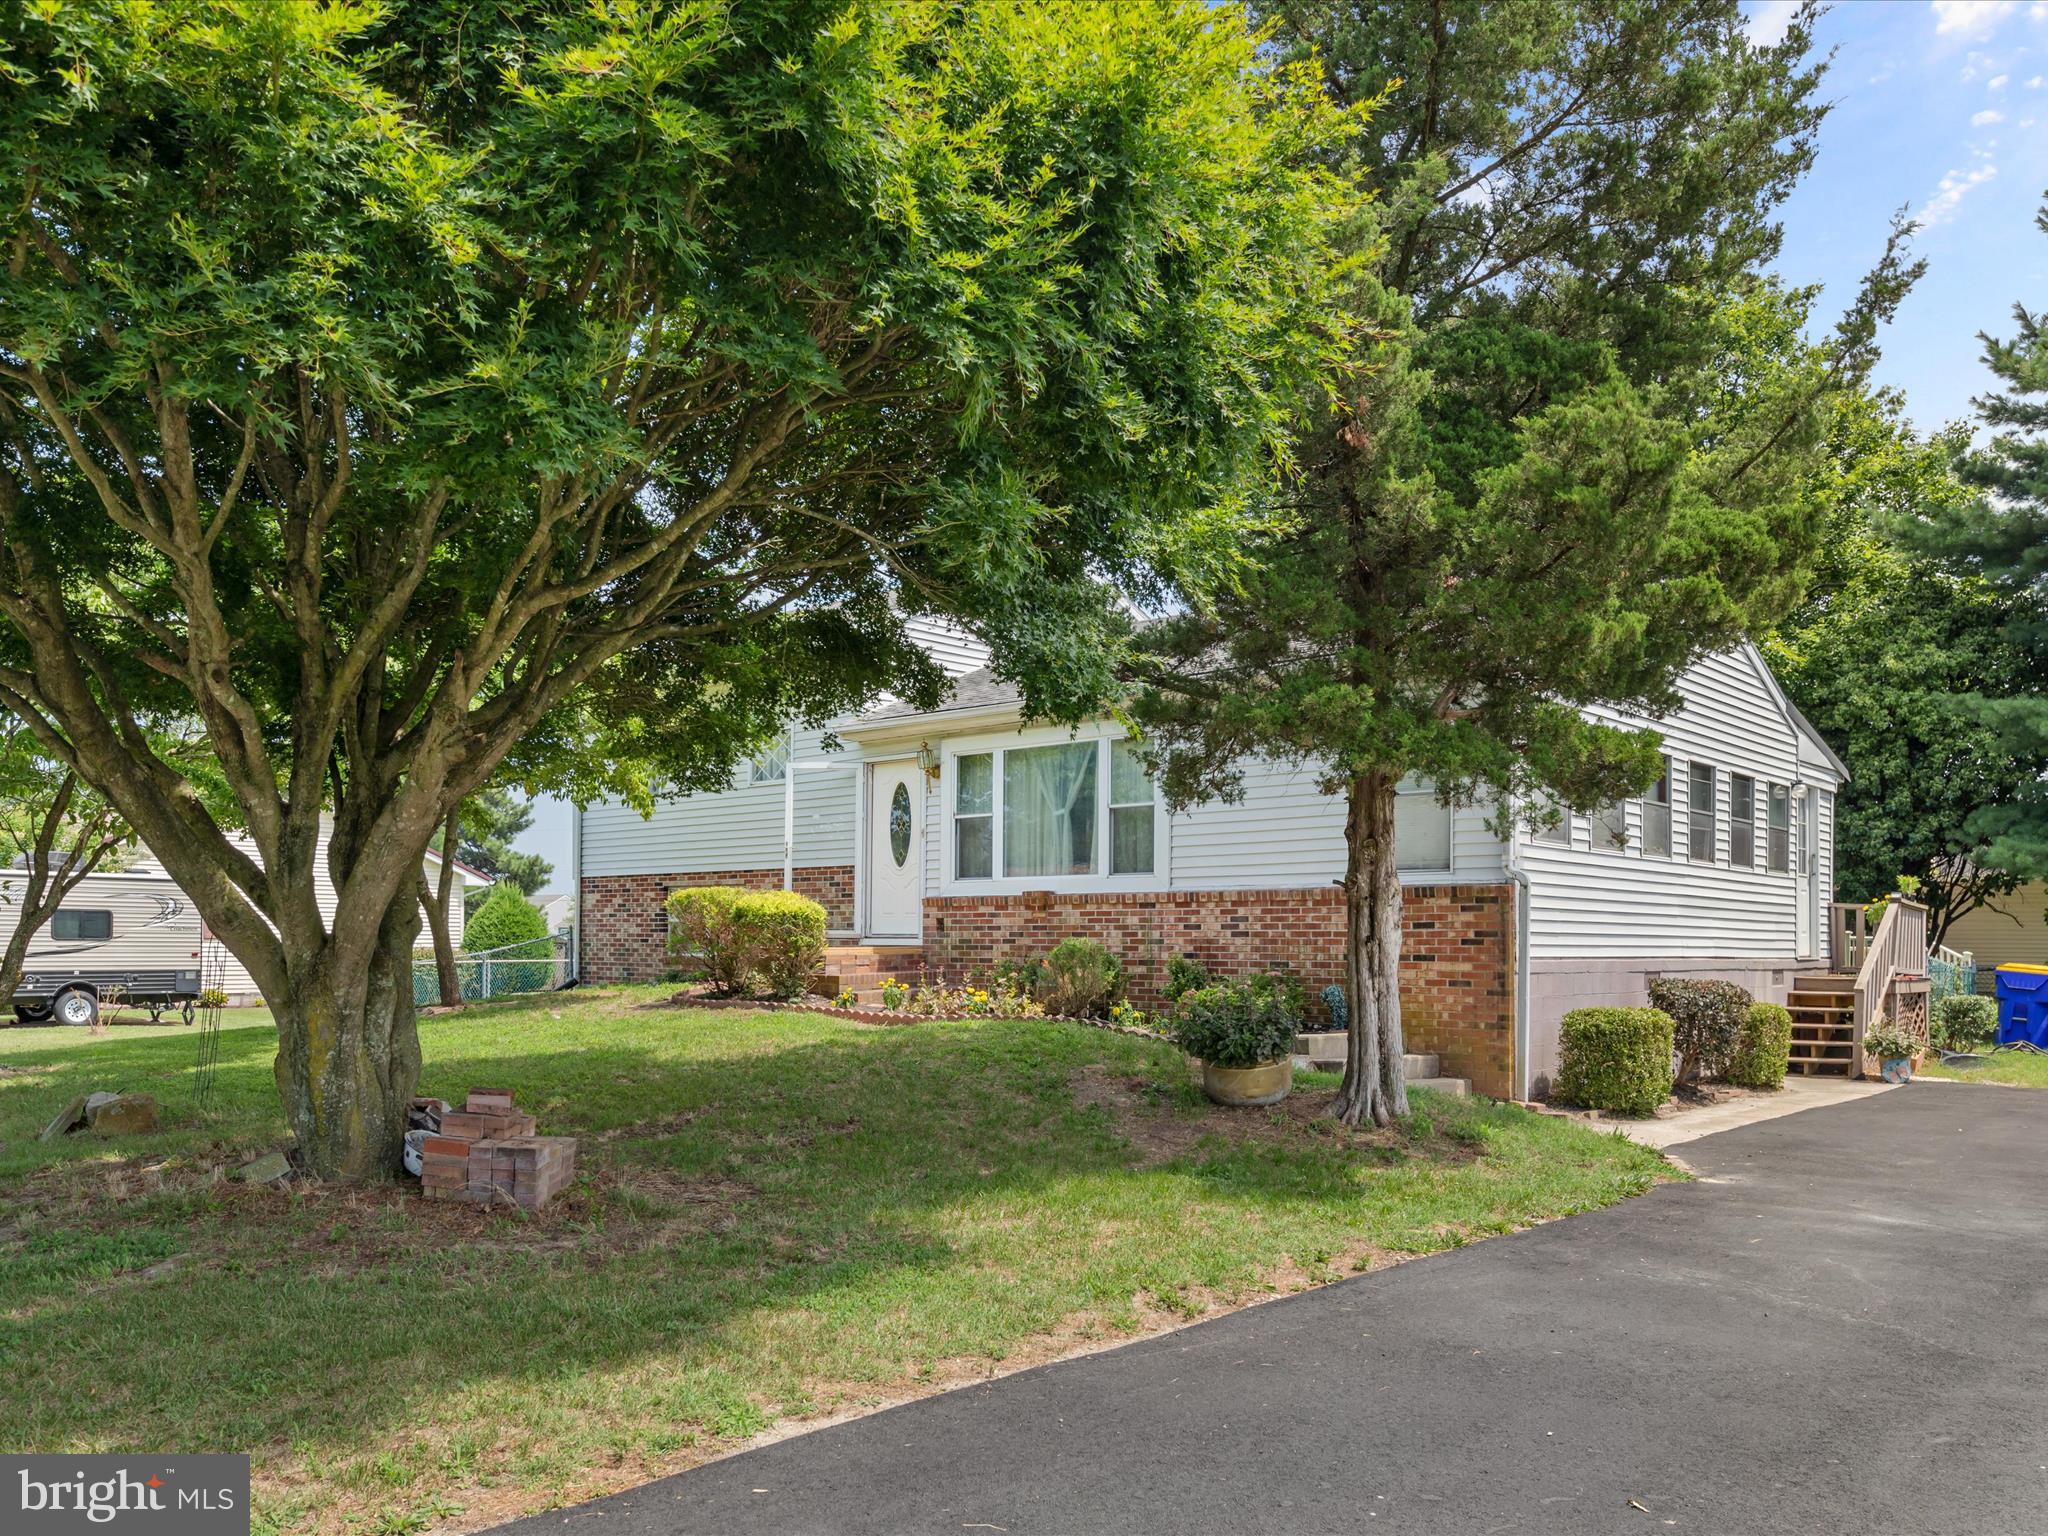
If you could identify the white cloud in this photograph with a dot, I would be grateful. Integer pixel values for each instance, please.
(1768, 20)
(1973, 18)
(1986, 118)
(1954, 187)
(2035, 83)
(1996, 82)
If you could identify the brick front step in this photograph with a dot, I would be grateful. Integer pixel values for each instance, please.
(862, 968)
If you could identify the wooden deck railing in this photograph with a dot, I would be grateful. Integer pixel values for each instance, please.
(1896, 951)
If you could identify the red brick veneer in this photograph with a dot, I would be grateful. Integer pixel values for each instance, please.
(1457, 953)
(624, 927)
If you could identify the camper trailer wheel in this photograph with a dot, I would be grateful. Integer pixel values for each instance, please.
(75, 1005)
(188, 1010)
(32, 1013)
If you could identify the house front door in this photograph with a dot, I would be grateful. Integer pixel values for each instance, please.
(895, 851)
(1807, 883)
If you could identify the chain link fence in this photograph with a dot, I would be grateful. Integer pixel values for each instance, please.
(539, 965)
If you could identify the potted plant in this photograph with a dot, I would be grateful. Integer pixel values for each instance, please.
(1244, 1038)
(1893, 1048)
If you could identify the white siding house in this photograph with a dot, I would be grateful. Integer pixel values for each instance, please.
(949, 834)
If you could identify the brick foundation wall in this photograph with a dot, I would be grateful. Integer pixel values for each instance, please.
(624, 927)
(1457, 952)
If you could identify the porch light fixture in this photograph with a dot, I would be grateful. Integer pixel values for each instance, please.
(928, 760)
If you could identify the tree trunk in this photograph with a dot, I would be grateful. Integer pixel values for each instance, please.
(13, 960)
(1374, 1089)
(435, 900)
(348, 1054)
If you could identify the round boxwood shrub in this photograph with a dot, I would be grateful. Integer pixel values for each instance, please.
(1965, 1022)
(1235, 1024)
(508, 918)
(781, 936)
(1617, 1059)
(1763, 1050)
(701, 928)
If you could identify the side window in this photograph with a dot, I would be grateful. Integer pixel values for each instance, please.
(81, 923)
(1778, 839)
(1699, 813)
(772, 766)
(1610, 826)
(1130, 811)
(1657, 815)
(1422, 828)
(974, 816)
(1741, 821)
(1561, 832)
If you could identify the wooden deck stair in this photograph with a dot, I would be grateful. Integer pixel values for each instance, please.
(1823, 1008)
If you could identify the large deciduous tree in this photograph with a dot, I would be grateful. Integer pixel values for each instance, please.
(1574, 450)
(2001, 538)
(380, 383)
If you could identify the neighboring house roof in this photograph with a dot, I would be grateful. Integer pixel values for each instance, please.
(470, 873)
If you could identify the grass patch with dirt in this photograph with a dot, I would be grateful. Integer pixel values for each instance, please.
(778, 1216)
(2013, 1069)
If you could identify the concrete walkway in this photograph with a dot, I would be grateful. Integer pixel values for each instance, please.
(1676, 1126)
(1834, 1332)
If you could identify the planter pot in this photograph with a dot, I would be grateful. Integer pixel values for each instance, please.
(1898, 1069)
(1241, 1087)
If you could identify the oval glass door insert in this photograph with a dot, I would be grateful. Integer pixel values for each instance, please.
(899, 824)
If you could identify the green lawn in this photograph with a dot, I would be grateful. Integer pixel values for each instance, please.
(777, 1215)
(2015, 1069)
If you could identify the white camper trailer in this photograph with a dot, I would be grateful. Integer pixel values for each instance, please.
(132, 938)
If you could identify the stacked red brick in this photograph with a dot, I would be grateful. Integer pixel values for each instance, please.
(487, 1151)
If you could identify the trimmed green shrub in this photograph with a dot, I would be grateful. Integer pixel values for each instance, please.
(1706, 1022)
(1081, 978)
(781, 936)
(701, 926)
(508, 918)
(1184, 973)
(1616, 1059)
(1965, 1023)
(1235, 1024)
(1763, 1050)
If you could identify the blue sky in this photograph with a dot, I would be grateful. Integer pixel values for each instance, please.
(1939, 105)
(1942, 107)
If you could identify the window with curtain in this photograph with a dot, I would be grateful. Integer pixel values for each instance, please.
(1741, 821)
(1422, 828)
(1778, 836)
(1130, 811)
(1699, 813)
(1049, 796)
(1657, 815)
(974, 816)
(1610, 826)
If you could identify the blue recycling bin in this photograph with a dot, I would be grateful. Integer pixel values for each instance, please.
(2023, 1005)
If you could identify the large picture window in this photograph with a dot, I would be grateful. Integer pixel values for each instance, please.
(1049, 810)
(1778, 838)
(1741, 821)
(1699, 813)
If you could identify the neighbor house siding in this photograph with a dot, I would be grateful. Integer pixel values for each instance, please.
(1597, 903)
(2009, 932)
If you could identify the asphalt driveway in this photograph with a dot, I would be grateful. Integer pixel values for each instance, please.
(1841, 1328)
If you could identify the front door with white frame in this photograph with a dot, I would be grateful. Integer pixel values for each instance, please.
(895, 851)
(1807, 883)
